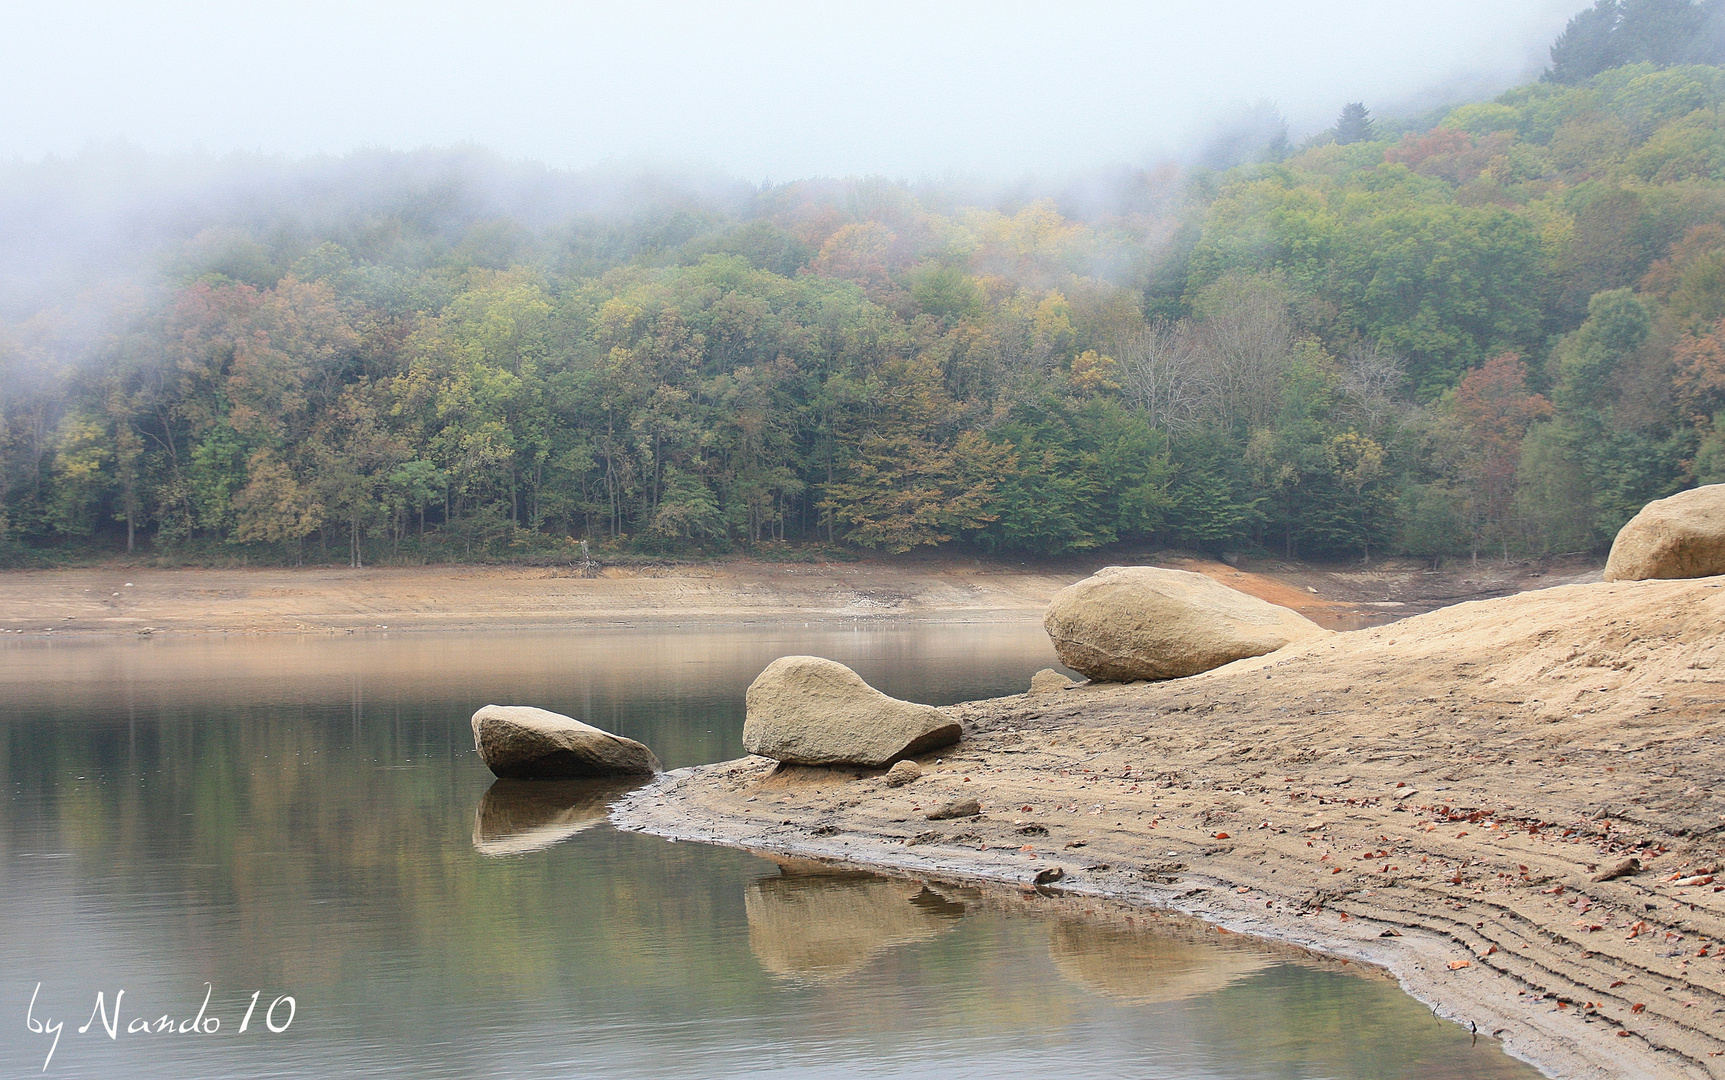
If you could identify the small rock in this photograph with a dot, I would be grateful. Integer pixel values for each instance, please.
(1407, 793)
(524, 743)
(1050, 875)
(1625, 868)
(902, 773)
(956, 809)
(1048, 681)
(806, 710)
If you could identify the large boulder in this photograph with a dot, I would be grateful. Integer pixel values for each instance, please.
(1679, 537)
(804, 710)
(1143, 622)
(523, 743)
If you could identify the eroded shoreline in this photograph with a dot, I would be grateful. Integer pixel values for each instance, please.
(1433, 797)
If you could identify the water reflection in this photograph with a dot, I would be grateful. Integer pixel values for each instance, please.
(519, 816)
(816, 923)
(1139, 968)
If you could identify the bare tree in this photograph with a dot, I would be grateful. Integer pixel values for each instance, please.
(1160, 374)
(1373, 385)
(1244, 349)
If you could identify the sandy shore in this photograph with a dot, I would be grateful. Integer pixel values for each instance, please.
(1435, 796)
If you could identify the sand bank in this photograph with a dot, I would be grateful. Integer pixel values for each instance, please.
(1435, 796)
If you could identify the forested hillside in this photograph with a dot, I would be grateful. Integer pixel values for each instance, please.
(1499, 329)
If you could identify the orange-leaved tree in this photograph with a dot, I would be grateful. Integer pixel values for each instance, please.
(1494, 407)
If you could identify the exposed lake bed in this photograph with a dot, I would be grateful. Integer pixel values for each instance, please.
(1454, 797)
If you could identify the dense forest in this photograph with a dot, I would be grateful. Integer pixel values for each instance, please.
(1498, 329)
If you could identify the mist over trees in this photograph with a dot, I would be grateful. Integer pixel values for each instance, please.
(1617, 32)
(1497, 330)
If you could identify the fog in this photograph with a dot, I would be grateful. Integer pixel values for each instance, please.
(758, 90)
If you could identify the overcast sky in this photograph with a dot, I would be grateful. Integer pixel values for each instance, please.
(763, 90)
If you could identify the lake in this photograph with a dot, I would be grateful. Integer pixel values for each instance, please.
(298, 828)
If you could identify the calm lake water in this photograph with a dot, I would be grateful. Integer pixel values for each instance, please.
(265, 818)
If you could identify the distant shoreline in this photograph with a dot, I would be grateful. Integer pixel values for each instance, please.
(311, 600)
(103, 602)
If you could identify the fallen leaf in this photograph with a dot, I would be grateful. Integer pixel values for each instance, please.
(1639, 1006)
(1457, 965)
(1223, 836)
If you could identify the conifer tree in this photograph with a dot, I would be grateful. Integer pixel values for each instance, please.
(1709, 44)
(1657, 31)
(1587, 45)
(1355, 124)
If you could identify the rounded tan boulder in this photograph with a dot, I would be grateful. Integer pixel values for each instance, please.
(523, 743)
(1679, 537)
(805, 710)
(1144, 622)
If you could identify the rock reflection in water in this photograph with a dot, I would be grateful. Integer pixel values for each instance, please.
(519, 816)
(814, 923)
(1145, 967)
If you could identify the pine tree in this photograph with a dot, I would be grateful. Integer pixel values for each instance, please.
(1587, 45)
(1656, 31)
(1355, 124)
(1614, 32)
(1709, 44)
